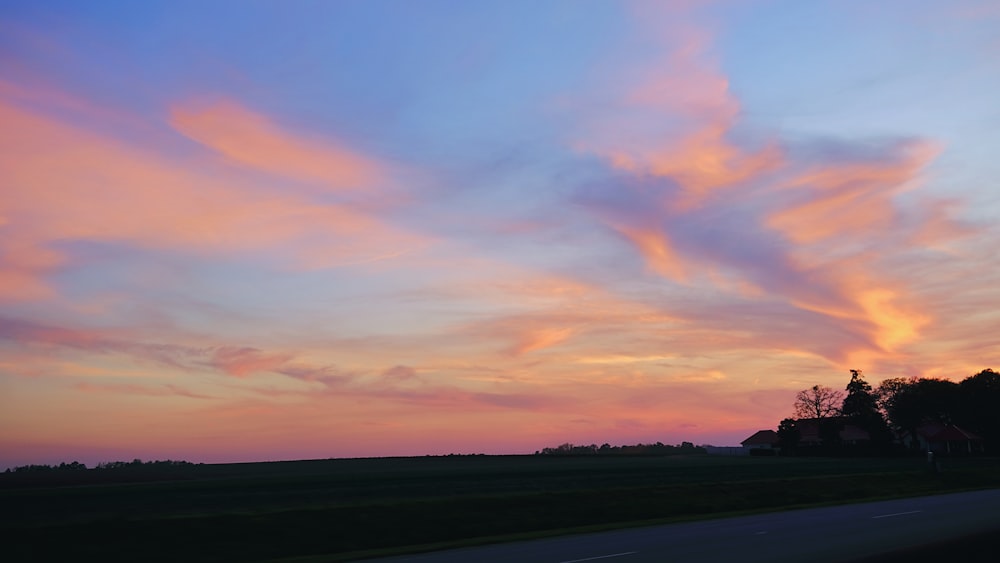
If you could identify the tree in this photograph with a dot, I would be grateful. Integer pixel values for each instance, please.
(910, 403)
(861, 405)
(788, 436)
(980, 406)
(818, 402)
(887, 391)
(860, 401)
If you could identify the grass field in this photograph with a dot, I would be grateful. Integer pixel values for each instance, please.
(352, 507)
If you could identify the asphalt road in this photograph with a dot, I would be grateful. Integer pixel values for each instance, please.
(817, 535)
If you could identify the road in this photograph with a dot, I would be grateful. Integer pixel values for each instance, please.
(832, 534)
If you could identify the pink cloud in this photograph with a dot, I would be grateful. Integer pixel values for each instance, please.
(562, 321)
(672, 119)
(850, 200)
(813, 230)
(539, 338)
(236, 361)
(64, 182)
(457, 399)
(146, 390)
(244, 361)
(400, 373)
(255, 141)
(659, 253)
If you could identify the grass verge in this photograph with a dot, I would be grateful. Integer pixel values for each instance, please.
(425, 507)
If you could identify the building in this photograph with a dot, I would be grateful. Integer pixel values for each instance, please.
(944, 439)
(761, 440)
(821, 431)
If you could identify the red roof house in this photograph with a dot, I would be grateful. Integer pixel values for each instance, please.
(948, 439)
(766, 439)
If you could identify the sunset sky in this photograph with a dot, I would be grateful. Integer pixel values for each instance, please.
(238, 231)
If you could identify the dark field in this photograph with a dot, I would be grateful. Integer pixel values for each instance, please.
(349, 508)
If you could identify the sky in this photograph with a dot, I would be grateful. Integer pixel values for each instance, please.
(248, 230)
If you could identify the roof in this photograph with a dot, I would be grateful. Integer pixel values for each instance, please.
(811, 433)
(952, 433)
(762, 438)
(853, 433)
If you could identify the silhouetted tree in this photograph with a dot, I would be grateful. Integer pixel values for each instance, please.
(861, 408)
(887, 391)
(979, 410)
(914, 402)
(900, 404)
(788, 436)
(860, 400)
(818, 402)
(829, 434)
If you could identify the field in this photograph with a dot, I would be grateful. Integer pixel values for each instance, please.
(351, 508)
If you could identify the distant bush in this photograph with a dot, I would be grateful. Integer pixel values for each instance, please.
(74, 466)
(109, 465)
(136, 463)
(657, 449)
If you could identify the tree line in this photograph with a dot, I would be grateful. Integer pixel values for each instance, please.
(658, 448)
(899, 407)
(112, 465)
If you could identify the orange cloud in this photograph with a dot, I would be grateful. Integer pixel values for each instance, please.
(849, 199)
(673, 120)
(895, 325)
(880, 311)
(253, 140)
(147, 390)
(245, 361)
(846, 220)
(599, 328)
(654, 246)
(704, 161)
(65, 183)
(537, 312)
(540, 338)
(938, 225)
(97, 354)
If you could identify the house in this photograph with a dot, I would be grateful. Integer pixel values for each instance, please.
(944, 439)
(761, 440)
(816, 431)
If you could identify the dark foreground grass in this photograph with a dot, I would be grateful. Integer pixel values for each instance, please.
(976, 548)
(346, 508)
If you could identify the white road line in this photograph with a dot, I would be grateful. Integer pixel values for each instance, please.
(896, 514)
(600, 557)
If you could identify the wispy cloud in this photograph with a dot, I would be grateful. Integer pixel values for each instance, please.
(844, 201)
(64, 182)
(810, 224)
(236, 361)
(243, 361)
(400, 372)
(251, 139)
(146, 390)
(673, 117)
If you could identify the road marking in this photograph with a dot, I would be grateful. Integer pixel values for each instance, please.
(760, 533)
(600, 557)
(896, 514)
